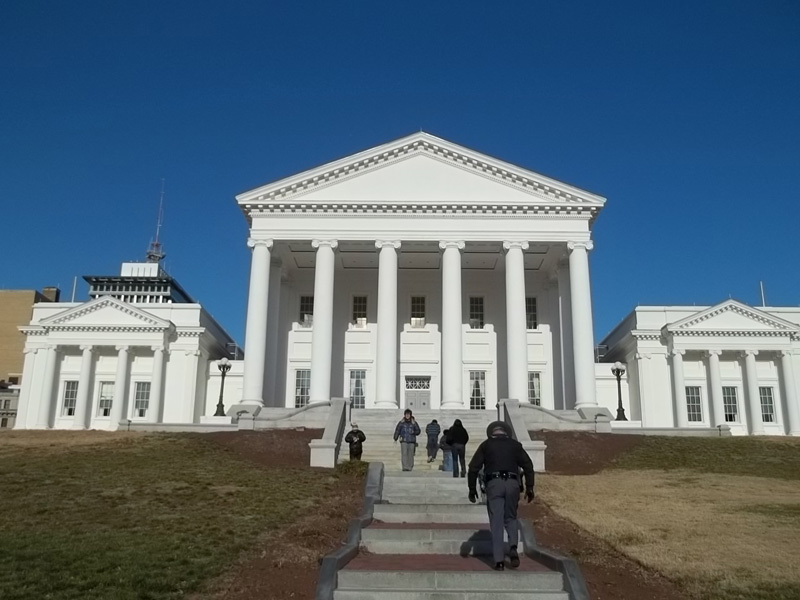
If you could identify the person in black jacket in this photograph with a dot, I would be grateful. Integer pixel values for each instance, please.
(501, 459)
(457, 438)
(355, 439)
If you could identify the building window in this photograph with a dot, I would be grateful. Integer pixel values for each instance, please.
(3, 423)
(477, 386)
(70, 398)
(105, 397)
(306, 310)
(417, 311)
(767, 404)
(141, 398)
(13, 380)
(476, 312)
(302, 387)
(357, 388)
(730, 404)
(360, 311)
(531, 321)
(7, 403)
(694, 409)
(535, 388)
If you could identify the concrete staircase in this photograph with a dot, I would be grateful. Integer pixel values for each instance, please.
(378, 425)
(427, 542)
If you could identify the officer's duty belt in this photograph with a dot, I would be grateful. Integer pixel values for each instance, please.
(501, 475)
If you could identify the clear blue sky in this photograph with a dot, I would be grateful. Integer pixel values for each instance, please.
(685, 115)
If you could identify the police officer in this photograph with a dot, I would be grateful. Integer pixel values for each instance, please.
(501, 459)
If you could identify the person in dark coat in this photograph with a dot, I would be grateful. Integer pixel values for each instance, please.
(407, 431)
(501, 457)
(432, 430)
(447, 452)
(355, 438)
(458, 437)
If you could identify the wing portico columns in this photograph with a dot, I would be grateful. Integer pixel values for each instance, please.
(256, 325)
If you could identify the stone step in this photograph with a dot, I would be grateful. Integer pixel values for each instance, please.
(431, 513)
(435, 573)
(380, 594)
(431, 499)
(475, 540)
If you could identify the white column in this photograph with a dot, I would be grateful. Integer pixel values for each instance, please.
(120, 386)
(582, 333)
(516, 326)
(84, 388)
(452, 364)
(273, 327)
(679, 384)
(386, 365)
(567, 357)
(642, 366)
(753, 397)
(27, 387)
(790, 392)
(46, 398)
(715, 388)
(322, 332)
(156, 383)
(255, 340)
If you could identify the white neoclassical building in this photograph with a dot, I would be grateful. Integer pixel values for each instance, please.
(420, 274)
(414, 274)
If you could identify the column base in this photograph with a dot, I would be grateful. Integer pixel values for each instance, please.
(387, 405)
(250, 407)
(78, 428)
(453, 406)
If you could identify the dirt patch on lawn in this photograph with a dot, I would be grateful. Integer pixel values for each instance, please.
(584, 453)
(284, 564)
(609, 574)
(278, 448)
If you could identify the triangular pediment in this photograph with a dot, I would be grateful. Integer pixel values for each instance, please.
(732, 316)
(420, 168)
(107, 313)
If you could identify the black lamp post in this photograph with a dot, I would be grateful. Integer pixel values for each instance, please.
(224, 365)
(618, 371)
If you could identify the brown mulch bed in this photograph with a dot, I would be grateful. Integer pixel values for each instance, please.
(284, 563)
(584, 453)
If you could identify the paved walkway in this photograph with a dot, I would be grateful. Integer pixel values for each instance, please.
(429, 543)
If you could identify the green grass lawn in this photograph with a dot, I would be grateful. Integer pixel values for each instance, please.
(775, 458)
(135, 516)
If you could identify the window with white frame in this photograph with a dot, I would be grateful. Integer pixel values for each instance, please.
(476, 312)
(302, 387)
(105, 396)
(767, 404)
(360, 311)
(141, 398)
(3, 423)
(357, 396)
(306, 310)
(477, 386)
(6, 403)
(417, 311)
(70, 398)
(531, 321)
(535, 388)
(730, 403)
(694, 408)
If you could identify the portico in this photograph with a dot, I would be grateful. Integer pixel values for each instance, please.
(420, 266)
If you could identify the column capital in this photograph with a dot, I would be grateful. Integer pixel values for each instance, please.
(191, 352)
(379, 244)
(677, 352)
(30, 350)
(86, 347)
(642, 355)
(445, 245)
(508, 245)
(746, 353)
(710, 353)
(253, 242)
(783, 353)
(53, 347)
(584, 245)
(122, 347)
(157, 348)
(318, 243)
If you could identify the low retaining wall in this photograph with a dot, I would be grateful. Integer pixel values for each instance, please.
(336, 560)
(574, 583)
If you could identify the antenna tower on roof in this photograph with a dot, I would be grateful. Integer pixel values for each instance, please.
(155, 254)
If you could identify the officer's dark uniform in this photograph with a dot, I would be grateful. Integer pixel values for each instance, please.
(501, 458)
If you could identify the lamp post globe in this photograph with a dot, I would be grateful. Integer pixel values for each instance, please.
(224, 365)
(618, 370)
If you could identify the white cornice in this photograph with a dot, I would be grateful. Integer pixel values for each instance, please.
(541, 189)
(62, 320)
(692, 325)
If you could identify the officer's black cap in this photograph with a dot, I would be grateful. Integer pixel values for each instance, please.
(497, 425)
